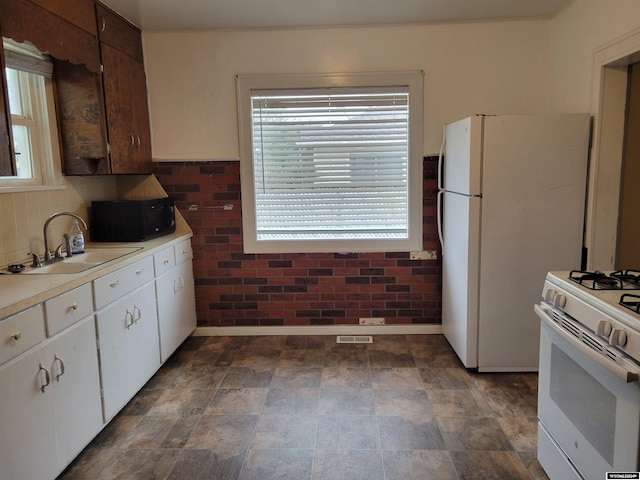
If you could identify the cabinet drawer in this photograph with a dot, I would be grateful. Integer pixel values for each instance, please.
(119, 283)
(183, 251)
(163, 261)
(20, 332)
(68, 308)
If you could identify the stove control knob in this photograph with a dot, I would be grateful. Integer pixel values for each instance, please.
(550, 295)
(618, 338)
(604, 328)
(559, 301)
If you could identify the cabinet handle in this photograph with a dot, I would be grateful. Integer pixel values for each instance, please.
(104, 25)
(138, 272)
(114, 284)
(181, 282)
(56, 358)
(15, 336)
(126, 316)
(47, 377)
(137, 314)
(185, 251)
(176, 287)
(166, 260)
(74, 306)
(139, 142)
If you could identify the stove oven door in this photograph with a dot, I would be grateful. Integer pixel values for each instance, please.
(590, 408)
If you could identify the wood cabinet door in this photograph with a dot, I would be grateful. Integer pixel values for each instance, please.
(7, 165)
(126, 108)
(79, 12)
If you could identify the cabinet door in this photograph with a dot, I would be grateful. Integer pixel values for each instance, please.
(50, 404)
(72, 359)
(125, 95)
(27, 442)
(176, 307)
(129, 347)
(7, 165)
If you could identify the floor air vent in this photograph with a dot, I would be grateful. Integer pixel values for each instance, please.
(354, 339)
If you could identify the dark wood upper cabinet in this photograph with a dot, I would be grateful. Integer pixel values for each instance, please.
(125, 94)
(81, 13)
(100, 84)
(7, 165)
(23, 20)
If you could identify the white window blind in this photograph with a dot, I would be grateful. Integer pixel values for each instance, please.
(331, 164)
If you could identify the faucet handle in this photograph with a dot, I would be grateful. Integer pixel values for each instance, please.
(58, 253)
(36, 262)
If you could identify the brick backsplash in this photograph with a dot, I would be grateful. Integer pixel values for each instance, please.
(237, 289)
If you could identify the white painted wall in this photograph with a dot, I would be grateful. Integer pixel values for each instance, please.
(576, 33)
(592, 43)
(497, 67)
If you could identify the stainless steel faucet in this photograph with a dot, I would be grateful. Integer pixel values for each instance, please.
(47, 253)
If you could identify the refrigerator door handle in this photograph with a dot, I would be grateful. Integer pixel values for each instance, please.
(440, 173)
(439, 219)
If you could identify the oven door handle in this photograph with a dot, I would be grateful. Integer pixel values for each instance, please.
(626, 375)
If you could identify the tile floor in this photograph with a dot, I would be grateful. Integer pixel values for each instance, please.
(304, 407)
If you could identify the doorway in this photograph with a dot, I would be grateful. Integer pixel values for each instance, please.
(628, 253)
(609, 96)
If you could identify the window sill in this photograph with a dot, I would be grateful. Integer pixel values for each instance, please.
(30, 188)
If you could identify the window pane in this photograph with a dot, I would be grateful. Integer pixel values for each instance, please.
(331, 165)
(15, 96)
(22, 144)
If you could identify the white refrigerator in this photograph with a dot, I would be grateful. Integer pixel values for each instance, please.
(511, 206)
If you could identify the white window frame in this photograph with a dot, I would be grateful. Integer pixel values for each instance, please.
(247, 84)
(39, 116)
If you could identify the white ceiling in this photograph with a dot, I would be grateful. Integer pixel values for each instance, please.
(261, 14)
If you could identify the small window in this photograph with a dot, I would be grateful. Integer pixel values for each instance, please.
(331, 163)
(32, 114)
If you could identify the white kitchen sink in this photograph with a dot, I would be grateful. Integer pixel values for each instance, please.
(91, 258)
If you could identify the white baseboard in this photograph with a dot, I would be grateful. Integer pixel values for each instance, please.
(319, 330)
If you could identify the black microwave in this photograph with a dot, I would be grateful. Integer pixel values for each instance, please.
(132, 220)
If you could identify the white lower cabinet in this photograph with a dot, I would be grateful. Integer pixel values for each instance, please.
(51, 405)
(176, 299)
(129, 347)
(69, 365)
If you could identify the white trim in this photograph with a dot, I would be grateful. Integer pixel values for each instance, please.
(245, 84)
(608, 100)
(319, 330)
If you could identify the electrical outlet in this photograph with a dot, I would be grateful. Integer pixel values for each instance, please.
(424, 255)
(372, 321)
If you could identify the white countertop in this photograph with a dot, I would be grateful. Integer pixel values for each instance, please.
(21, 291)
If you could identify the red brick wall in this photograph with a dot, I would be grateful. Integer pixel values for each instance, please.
(234, 289)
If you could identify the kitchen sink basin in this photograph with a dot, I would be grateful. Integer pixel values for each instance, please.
(91, 258)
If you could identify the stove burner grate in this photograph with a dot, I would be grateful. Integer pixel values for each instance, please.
(631, 301)
(596, 280)
(628, 276)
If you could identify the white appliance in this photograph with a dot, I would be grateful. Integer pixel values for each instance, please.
(511, 205)
(588, 390)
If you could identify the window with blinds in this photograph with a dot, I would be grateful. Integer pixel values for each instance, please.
(330, 168)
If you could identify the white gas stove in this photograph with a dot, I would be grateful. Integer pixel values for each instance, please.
(608, 304)
(589, 390)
